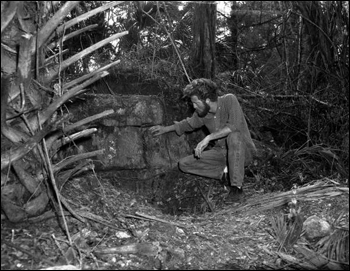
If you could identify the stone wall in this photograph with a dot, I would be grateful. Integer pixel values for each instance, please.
(130, 149)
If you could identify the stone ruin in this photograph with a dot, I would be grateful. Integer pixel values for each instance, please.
(130, 150)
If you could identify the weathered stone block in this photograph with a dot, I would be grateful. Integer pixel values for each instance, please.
(124, 135)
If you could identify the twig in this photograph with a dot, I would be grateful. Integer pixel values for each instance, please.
(142, 216)
(98, 219)
(204, 197)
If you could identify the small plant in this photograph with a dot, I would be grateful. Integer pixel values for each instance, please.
(287, 228)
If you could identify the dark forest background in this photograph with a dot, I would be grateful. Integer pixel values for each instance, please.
(287, 62)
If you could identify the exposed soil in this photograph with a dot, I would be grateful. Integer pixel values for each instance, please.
(150, 229)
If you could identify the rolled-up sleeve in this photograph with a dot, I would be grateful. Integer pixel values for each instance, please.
(188, 124)
(232, 113)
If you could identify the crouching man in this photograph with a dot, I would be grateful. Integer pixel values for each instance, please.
(233, 146)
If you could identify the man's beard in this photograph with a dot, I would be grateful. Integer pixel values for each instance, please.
(205, 111)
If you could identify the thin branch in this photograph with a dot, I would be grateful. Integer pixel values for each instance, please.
(73, 34)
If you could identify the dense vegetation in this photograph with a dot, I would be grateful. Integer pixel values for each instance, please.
(286, 61)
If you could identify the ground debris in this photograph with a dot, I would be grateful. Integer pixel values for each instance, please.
(127, 232)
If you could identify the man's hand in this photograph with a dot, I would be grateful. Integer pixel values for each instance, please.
(200, 147)
(158, 130)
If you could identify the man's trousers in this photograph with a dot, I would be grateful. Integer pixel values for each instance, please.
(212, 162)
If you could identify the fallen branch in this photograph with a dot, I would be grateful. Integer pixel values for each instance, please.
(135, 248)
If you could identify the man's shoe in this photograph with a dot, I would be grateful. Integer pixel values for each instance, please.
(236, 195)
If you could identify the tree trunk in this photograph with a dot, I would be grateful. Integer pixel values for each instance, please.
(203, 50)
(233, 25)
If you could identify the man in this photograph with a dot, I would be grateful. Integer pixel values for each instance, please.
(224, 119)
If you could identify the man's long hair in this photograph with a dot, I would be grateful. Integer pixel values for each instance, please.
(203, 88)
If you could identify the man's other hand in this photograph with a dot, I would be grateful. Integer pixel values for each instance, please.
(200, 147)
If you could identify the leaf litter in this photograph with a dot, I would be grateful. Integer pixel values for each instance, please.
(127, 230)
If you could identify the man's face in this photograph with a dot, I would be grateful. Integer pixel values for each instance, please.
(201, 107)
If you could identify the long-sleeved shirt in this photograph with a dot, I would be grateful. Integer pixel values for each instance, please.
(228, 114)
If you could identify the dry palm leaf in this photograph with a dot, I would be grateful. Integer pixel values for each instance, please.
(320, 189)
(317, 259)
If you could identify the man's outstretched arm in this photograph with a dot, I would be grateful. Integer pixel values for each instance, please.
(159, 130)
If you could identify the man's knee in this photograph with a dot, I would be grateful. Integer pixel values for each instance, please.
(183, 164)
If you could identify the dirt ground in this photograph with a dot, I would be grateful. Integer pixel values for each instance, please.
(188, 227)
